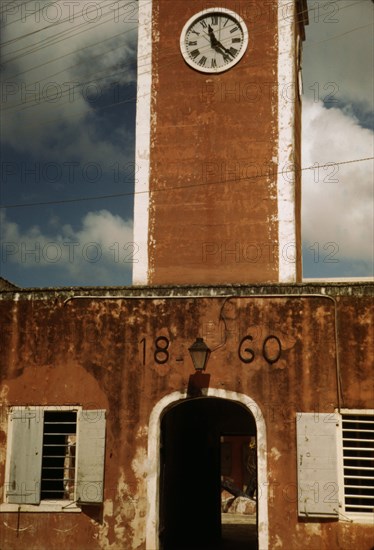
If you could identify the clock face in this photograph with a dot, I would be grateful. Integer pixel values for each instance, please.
(214, 40)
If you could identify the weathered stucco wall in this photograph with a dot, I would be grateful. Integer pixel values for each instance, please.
(214, 154)
(101, 353)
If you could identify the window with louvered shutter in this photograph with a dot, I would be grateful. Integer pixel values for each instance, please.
(358, 462)
(54, 454)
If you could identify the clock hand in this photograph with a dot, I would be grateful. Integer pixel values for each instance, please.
(213, 39)
(224, 55)
(219, 45)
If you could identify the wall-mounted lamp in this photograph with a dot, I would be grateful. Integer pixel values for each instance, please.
(199, 352)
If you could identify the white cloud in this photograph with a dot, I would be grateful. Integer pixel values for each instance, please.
(338, 64)
(101, 250)
(339, 51)
(337, 200)
(92, 47)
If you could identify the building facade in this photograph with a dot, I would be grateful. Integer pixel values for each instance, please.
(290, 363)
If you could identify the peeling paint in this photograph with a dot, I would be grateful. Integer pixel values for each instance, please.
(275, 454)
(314, 529)
(140, 469)
(113, 533)
(278, 542)
(142, 160)
(114, 372)
(4, 390)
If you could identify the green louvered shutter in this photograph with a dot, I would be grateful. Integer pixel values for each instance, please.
(26, 425)
(317, 465)
(90, 457)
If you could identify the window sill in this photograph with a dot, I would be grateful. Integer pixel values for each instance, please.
(45, 506)
(358, 518)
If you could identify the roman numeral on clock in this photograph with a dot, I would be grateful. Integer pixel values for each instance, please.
(212, 41)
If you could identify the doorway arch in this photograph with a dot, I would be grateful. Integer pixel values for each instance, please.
(154, 470)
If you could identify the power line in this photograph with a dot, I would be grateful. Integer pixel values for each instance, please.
(24, 4)
(52, 25)
(67, 92)
(189, 186)
(71, 53)
(311, 43)
(65, 201)
(59, 37)
(128, 100)
(41, 47)
(35, 12)
(14, 76)
(265, 26)
(12, 107)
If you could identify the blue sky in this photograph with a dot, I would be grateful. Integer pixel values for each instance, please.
(337, 213)
(68, 100)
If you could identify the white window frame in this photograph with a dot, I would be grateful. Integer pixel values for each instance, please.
(44, 505)
(359, 517)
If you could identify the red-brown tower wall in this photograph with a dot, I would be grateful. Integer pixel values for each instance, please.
(213, 201)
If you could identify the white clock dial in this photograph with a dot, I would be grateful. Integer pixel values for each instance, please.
(214, 40)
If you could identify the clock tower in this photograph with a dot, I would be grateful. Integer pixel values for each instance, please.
(217, 196)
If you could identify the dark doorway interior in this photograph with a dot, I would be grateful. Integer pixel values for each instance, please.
(190, 477)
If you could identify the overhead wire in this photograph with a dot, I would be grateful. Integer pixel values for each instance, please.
(23, 18)
(134, 98)
(13, 107)
(71, 53)
(59, 37)
(67, 92)
(188, 186)
(43, 46)
(52, 25)
(312, 43)
(20, 19)
(14, 76)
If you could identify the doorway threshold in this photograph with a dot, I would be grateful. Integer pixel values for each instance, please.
(239, 532)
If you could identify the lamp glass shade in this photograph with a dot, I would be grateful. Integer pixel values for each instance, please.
(199, 352)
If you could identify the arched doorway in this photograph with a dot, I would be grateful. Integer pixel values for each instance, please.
(204, 446)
